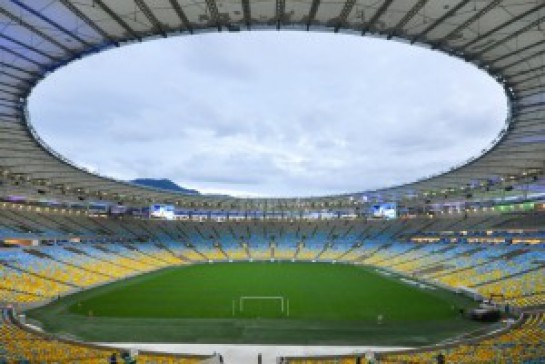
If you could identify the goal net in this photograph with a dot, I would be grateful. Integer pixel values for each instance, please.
(261, 306)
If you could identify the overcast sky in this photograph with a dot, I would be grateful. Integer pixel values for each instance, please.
(269, 113)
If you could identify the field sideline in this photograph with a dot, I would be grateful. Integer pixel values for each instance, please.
(328, 304)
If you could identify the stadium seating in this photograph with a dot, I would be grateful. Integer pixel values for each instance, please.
(329, 360)
(503, 264)
(20, 345)
(522, 344)
(260, 250)
(237, 251)
(36, 274)
(507, 271)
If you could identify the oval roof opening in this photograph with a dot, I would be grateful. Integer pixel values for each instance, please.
(269, 113)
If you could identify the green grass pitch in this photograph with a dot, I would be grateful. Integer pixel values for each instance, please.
(328, 303)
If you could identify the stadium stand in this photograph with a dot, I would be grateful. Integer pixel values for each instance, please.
(511, 271)
(21, 345)
(522, 343)
(488, 262)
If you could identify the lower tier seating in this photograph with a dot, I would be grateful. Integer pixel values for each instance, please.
(524, 344)
(18, 345)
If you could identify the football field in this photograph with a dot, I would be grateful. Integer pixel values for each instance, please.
(260, 303)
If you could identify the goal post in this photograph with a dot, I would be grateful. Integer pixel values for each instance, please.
(282, 302)
(246, 298)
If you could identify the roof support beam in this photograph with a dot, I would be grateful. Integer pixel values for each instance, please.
(19, 21)
(23, 57)
(540, 93)
(515, 154)
(183, 18)
(503, 25)
(5, 115)
(51, 172)
(524, 123)
(280, 11)
(341, 19)
(20, 69)
(492, 171)
(42, 158)
(469, 21)
(312, 12)
(10, 121)
(530, 70)
(530, 78)
(21, 147)
(510, 36)
(440, 20)
(29, 47)
(20, 79)
(385, 5)
(514, 147)
(540, 88)
(518, 61)
(66, 181)
(2, 91)
(151, 17)
(516, 52)
(8, 103)
(78, 13)
(3, 99)
(22, 156)
(407, 17)
(51, 163)
(50, 22)
(469, 172)
(214, 13)
(105, 8)
(522, 112)
(247, 12)
(516, 134)
(494, 163)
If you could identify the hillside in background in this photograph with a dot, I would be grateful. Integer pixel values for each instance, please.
(164, 184)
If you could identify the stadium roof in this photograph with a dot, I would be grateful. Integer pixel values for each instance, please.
(504, 38)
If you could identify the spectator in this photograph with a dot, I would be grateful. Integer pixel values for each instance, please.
(113, 358)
